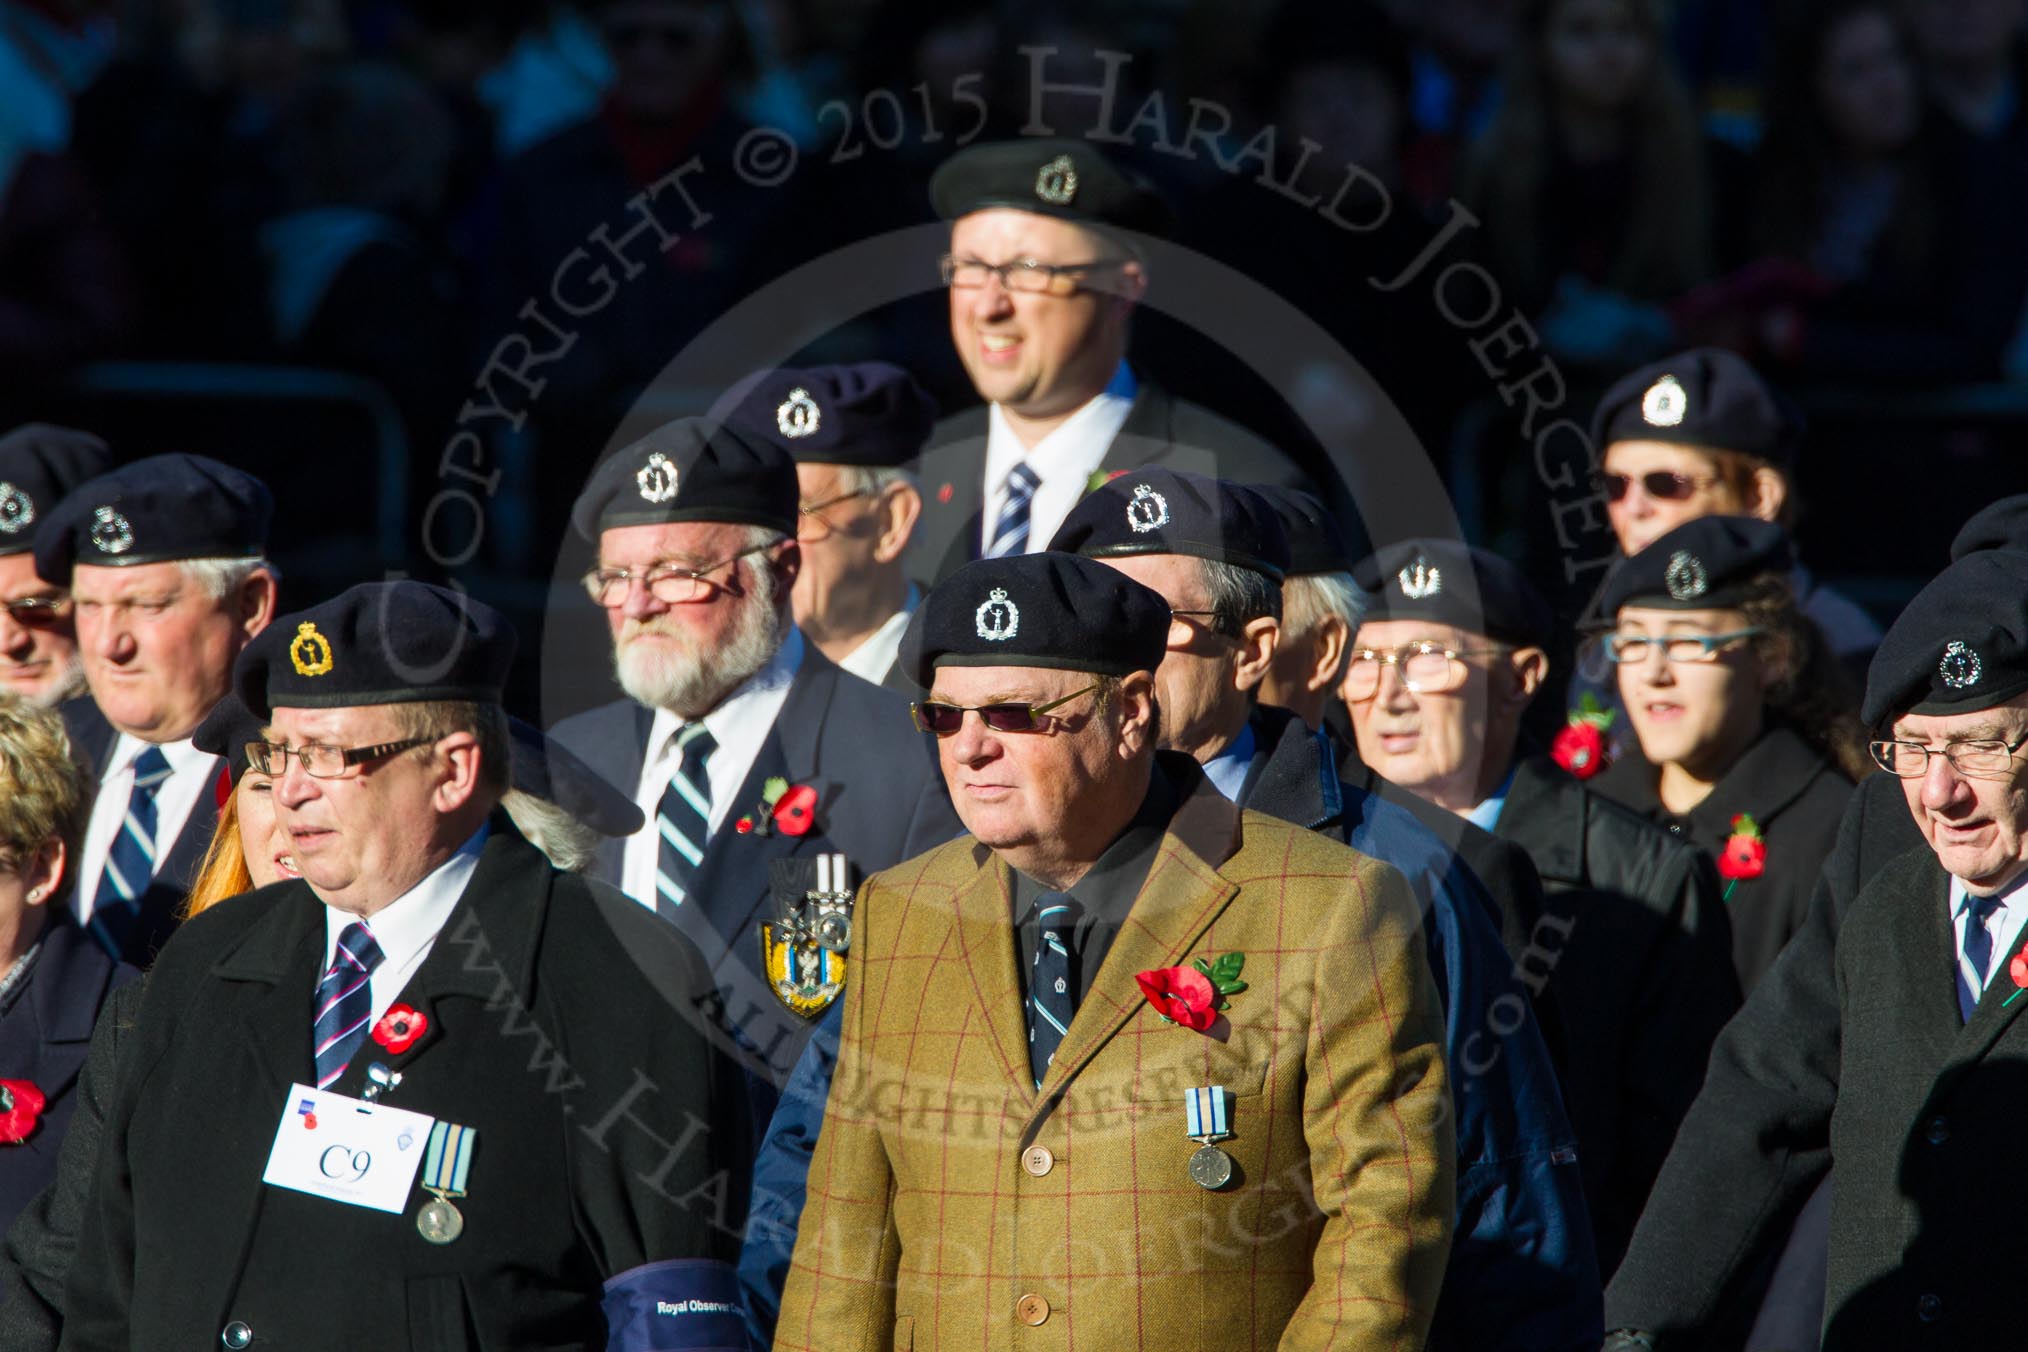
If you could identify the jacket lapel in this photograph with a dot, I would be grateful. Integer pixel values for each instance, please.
(985, 916)
(1997, 1008)
(619, 752)
(1774, 772)
(279, 961)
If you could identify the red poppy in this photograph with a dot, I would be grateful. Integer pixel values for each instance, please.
(20, 1109)
(944, 493)
(1182, 995)
(796, 810)
(1745, 852)
(400, 1027)
(743, 825)
(1580, 748)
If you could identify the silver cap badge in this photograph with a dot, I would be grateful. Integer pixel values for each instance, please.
(657, 478)
(1685, 576)
(110, 532)
(1665, 403)
(1147, 510)
(1056, 183)
(1960, 668)
(998, 618)
(1420, 579)
(798, 415)
(17, 509)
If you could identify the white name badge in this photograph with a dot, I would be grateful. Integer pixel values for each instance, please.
(351, 1151)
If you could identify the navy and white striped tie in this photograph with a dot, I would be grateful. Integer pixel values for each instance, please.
(684, 818)
(1010, 532)
(130, 863)
(1052, 999)
(344, 1002)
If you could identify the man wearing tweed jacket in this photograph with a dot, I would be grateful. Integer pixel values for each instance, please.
(1007, 1160)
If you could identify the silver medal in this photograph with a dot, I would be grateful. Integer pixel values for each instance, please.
(439, 1222)
(1210, 1168)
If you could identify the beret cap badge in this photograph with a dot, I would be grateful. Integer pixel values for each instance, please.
(110, 531)
(1686, 578)
(1665, 403)
(1147, 510)
(309, 651)
(1420, 579)
(1056, 182)
(998, 618)
(798, 415)
(17, 509)
(1960, 667)
(657, 478)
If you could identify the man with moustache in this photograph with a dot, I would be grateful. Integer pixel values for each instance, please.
(39, 464)
(765, 773)
(1044, 273)
(165, 561)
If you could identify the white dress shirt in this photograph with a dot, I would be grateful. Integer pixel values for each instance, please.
(407, 927)
(1064, 460)
(739, 725)
(1227, 770)
(191, 773)
(2003, 925)
(871, 659)
(1486, 815)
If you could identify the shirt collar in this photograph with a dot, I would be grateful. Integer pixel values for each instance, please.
(181, 756)
(730, 717)
(1058, 449)
(1227, 770)
(405, 925)
(1487, 814)
(2010, 899)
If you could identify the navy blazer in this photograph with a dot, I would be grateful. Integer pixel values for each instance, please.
(161, 907)
(880, 799)
(43, 1040)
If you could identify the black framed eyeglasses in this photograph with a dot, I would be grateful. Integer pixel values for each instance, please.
(1666, 485)
(1633, 649)
(1979, 760)
(322, 762)
(670, 583)
(945, 719)
(1022, 274)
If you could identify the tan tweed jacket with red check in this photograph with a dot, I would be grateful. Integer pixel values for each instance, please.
(934, 1221)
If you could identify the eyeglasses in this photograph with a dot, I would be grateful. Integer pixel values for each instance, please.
(945, 719)
(1634, 648)
(38, 612)
(322, 762)
(1426, 668)
(1021, 274)
(813, 527)
(670, 583)
(1980, 760)
(1659, 483)
(1180, 630)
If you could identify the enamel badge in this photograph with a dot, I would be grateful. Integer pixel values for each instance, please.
(803, 950)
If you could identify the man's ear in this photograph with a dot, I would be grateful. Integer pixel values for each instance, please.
(1769, 494)
(1256, 646)
(257, 597)
(1333, 640)
(900, 505)
(1527, 669)
(1136, 702)
(786, 559)
(460, 753)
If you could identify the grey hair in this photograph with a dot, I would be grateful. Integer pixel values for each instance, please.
(1306, 600)
(570, 844)
(220, 578)
(871, 479)
(1239, 596)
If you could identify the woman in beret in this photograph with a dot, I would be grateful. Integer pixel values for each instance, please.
(1747, 743)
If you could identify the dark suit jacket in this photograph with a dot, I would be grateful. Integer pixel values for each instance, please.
(880, 800)
(561, 1029)
(162, 904)
(1160, 430)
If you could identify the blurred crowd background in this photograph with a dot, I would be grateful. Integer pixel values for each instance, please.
(287, 233)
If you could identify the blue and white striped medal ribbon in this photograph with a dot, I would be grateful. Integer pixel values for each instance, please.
(446, 1160)
(1204, 1114)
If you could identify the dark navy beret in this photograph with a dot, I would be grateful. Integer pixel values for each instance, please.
(226, 731)
(1960, 646)
(1450, 582)
(1316, 544)
(1037, 610)
(1064, 178)
(39, 466)
(378, 643)
(1705, 564)
(1167, 511)
(163, 508)
(871, 413)
(1707, 398)
(693, 469)
(546, 768)
(2002, 525)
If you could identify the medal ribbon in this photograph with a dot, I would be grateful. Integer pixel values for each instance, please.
(447, 1158)
(1204, 1107)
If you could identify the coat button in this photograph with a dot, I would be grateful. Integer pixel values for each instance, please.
(1037, 1160)
(1031, 1310)
(236, 1335)
(1939, 1131)
(1929, 1309)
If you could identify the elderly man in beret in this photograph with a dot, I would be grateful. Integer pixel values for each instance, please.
(39, 464)
(854, 432)
(1633, 945)
(165, 561)
(1036, 1077)
(1901, 1052)
(1044, 272)
(450, 1095)
(1522, 1272)
(766, 774)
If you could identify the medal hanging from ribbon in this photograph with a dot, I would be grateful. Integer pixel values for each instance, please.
(446, 1160)
(1204, 1111)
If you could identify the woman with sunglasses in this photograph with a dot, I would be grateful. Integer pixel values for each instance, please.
(1746, 742)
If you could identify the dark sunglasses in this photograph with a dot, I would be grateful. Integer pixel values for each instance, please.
(946, 719)
(1660, 483)
(38, 612)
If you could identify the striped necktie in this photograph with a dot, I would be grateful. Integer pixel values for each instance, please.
(344, 1002)
(130, 863)
(1978, 952)
(1010, 532)
(1052, 999)
(684, 818)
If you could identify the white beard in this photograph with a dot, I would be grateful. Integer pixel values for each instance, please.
(688, 679)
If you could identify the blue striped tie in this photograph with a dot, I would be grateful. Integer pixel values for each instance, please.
(1010, 532)
(344, 1002)
(1978, 951)
(1052, 999)
(130, 863)
(684, 818)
